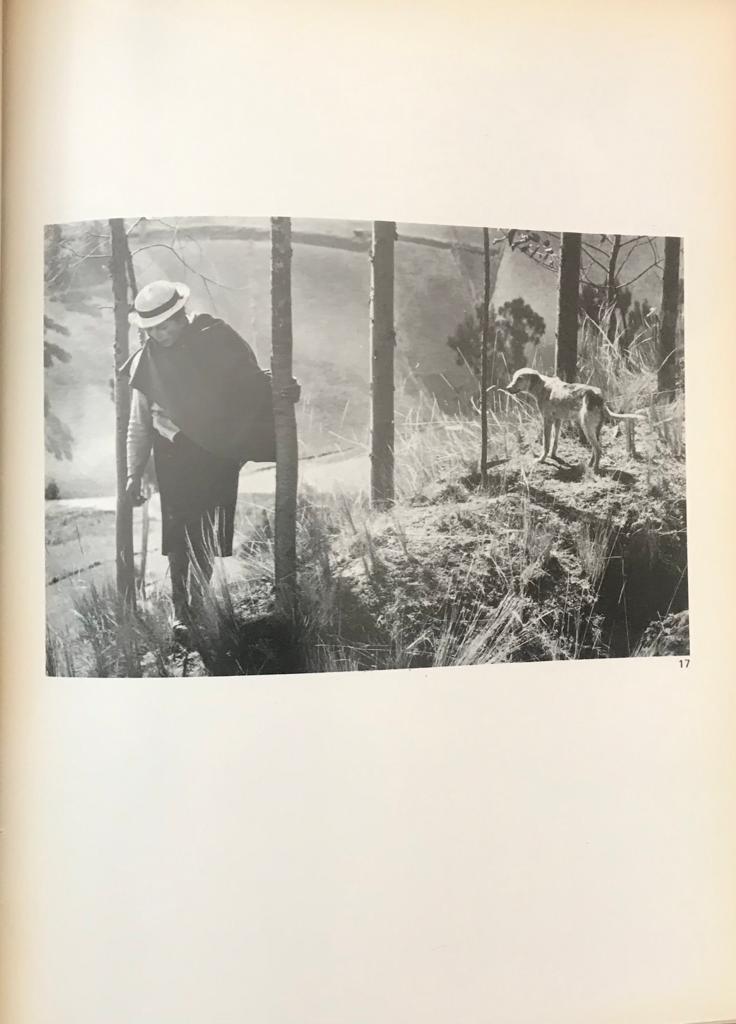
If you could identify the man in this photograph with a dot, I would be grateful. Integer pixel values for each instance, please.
(202, 403)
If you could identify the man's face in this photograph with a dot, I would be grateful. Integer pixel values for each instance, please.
(169, 332)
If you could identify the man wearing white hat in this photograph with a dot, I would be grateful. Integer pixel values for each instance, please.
(202, 403)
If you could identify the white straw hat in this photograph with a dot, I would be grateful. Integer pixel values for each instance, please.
(158, 301)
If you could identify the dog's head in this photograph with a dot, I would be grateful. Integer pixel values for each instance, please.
(525, 379)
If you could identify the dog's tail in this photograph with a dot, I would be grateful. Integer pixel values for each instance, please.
(613, 416)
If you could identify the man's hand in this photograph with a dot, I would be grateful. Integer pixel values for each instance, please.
(133, 491)
(292, 392)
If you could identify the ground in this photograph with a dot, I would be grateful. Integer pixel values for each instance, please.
(545, 561)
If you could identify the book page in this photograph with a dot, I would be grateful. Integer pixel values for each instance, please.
(518, 840)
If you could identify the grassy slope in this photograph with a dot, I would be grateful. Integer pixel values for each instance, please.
(434, 290)
(549, 562)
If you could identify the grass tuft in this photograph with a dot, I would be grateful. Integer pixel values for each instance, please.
(455, 574)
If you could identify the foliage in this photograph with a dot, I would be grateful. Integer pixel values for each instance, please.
(516, 327)
(454, 574)
(538, 247)
(63, 257)
(58, 438)
(605, 291)
(529, 569)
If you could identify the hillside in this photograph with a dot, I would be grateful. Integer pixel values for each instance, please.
(439, 275)
(546, 562)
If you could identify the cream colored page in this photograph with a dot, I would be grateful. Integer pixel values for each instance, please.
(535, 842)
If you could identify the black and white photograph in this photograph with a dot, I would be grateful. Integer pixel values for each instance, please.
(366, 528)
(294, 446)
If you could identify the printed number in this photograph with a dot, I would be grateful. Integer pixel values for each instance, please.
(684, 663)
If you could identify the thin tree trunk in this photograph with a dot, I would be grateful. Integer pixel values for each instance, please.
(124, 561)
(494, 349)
(133, 286)
(145, 530)
(383, 341)
(287, 462)
(668, 326)
(130, 270)
(484, 358)
(566, 355)
(611, 291)
(145, 510)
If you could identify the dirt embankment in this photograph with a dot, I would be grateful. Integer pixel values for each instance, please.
(546, 562)
(597, 563)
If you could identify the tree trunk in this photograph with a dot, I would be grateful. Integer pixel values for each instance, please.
(287, 456)
(566, 355)
(668, 326)
(383, 342)
(145, 509)
(611, 290)
(124, 562)
(145, 530)
(484, 358)
(133, 287)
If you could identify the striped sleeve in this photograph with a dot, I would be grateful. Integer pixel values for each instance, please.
(140, 426)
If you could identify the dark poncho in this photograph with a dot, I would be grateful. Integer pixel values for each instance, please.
(210, 385)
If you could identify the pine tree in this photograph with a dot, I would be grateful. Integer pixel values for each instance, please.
(125, 566)
(666, 376)
(484, 356)
(383, 341)
(566, 354)
(287, 460)
(516, 329)
(612, 299)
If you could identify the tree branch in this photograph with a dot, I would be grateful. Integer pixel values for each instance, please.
(631, 240)
(590, 245)
(594, 260)
(204, 277)
(645, 271)
(640, 240)
(584, 274)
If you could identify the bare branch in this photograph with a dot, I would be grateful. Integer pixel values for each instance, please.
(597, 248)
(655, 254)
(585, 276)
(641, 240)
(631, 240)
(204, 277)
(594, 260)
(81, 256)
(547, 266)
(651, 266)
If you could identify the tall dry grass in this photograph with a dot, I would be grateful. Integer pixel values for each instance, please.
(330, 630)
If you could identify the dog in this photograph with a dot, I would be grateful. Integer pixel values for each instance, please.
(558, 401)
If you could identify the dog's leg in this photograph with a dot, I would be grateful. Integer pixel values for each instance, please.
(589, 429)
(595, 423)
(546, 434)
(598, 446)
(593, 460)
(555, 437)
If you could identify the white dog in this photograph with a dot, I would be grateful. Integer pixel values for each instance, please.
(560, 401)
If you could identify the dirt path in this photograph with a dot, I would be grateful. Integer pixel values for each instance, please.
(80, 531)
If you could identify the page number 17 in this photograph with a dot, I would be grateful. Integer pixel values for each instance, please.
(684, 663)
